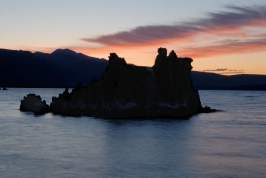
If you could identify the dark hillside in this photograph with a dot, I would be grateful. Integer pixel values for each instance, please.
(24, 69)
(76, 62)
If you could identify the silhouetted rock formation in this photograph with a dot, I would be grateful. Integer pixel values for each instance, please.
(33, 103)
(165, 90)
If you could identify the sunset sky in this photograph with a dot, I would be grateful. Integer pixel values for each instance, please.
(223, 36)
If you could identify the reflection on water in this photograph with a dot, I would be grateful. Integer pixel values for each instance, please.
(222, 144)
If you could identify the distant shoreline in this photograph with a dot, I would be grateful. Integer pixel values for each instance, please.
(247, 88)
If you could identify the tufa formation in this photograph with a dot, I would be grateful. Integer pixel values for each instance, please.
(128, 91)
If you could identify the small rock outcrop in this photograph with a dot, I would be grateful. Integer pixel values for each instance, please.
(33, 103)
(125, 91)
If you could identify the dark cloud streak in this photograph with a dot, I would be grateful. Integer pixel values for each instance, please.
(144, 34)
(237, 17)
(224, 71)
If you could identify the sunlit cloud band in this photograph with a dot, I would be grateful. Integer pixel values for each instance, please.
(237, 28)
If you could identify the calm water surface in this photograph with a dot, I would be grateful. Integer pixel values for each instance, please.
(231, 143)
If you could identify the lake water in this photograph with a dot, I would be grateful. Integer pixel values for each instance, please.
(231, 143)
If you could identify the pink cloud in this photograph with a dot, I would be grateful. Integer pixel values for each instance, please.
(225, 48)
(227, 23)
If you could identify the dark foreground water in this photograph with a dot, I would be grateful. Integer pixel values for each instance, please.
(222, 144)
